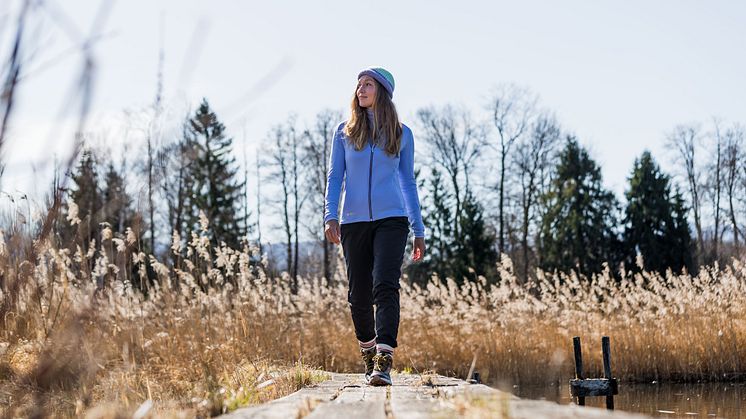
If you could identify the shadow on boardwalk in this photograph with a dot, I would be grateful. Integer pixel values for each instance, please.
(412, 396)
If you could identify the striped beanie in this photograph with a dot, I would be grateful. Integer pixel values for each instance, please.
(382, 76)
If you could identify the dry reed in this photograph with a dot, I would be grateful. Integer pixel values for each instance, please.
(217, 332)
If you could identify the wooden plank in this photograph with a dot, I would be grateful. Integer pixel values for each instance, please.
(345, 396)
(593, 387)
(304, 399)
(354, 402)
(412, 400)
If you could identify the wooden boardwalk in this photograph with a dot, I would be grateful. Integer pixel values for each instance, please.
(412, 397)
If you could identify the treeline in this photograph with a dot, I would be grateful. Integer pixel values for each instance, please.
(516, 183)
(511, 182)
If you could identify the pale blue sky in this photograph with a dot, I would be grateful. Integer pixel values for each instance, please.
(619, 74)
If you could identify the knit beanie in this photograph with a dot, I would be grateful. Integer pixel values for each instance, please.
(382, 76)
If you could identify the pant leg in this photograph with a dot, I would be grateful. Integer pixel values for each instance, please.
(389, 243)
(357, 245)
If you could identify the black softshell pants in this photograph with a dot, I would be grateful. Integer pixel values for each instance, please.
(374, 252)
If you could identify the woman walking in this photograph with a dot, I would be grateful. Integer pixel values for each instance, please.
(372, 153)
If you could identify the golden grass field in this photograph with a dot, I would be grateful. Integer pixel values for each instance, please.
(67, 349)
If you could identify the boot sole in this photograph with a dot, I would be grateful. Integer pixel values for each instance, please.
(377, 380)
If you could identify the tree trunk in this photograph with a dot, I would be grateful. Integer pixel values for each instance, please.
(286, 220)
(501, 209)
(716, 204)
(296, 204)
(258, 207)
(151, 206)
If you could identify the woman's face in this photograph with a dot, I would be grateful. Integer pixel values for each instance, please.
(366, 91)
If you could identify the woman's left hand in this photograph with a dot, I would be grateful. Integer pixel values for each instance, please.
(418, 249)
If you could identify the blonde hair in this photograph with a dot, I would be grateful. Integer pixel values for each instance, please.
(386, 123)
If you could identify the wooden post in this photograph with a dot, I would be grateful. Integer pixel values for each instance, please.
(581, 387)
(578, 365)
(606, 348)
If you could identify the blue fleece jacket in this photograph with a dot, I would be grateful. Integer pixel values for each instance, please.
(376, 185)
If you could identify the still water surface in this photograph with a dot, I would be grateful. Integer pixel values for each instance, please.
(703, 400)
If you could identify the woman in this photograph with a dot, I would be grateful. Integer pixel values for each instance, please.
(373, 155)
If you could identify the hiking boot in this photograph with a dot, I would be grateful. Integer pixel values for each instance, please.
(381, 369)
(368, 355)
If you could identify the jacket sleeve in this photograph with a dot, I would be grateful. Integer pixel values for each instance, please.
(335, 176)
(408, 183)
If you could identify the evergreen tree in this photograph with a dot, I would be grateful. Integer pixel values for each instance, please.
(438, 218)
(578, 229)
(116, 208)
(87, 196)
(216, 188)
(682, 247)
(655, 220)
(458, 255)
(177, 184)
(476, 249)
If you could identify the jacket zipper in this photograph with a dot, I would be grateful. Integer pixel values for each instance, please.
(370, 181)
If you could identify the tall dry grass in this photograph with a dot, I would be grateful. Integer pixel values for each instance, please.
(216, 331)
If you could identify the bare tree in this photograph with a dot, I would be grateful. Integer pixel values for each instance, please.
(741, 180)
(684, 139)
(258, 204)
(714, 185)
(531, 159)
(281, 164)
(733, 160)
(153, 132)
(455, 142)
(317, 145)
(512, 108)
(171, 167)
(286, 169)
(245, 185)
(298, 197)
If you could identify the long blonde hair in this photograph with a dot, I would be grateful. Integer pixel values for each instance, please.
(386, 123)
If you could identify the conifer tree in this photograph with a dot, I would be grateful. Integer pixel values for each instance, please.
(476, 248)
(655, 220)
(578, 229)
(116, 207)
(681, 245)
(214, 180)
(437, 216)
(87, 196)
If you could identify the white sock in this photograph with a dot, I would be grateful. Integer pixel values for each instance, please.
(382, 347)
(367, 345)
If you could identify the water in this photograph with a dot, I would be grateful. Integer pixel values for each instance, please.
(703, 400)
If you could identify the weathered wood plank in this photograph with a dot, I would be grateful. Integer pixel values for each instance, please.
(303, 399)
(412, 405)
(354, 402)
(412, 397)
(594, 387)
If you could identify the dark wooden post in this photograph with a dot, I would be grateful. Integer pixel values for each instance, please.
(606, 348)
(578, 365)
(581, 387)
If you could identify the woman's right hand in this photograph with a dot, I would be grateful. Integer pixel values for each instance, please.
(332, 231)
